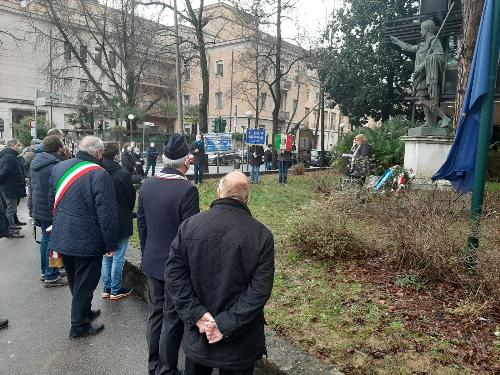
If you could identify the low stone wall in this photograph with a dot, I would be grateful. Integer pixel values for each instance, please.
(283, 358)
(210, 176)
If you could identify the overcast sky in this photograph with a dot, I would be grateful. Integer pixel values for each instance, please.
(310, 15)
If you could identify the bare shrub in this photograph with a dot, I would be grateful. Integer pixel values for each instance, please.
(320, 231)
(297, 169)
(422, 232)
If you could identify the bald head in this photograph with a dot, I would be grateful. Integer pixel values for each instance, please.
(234, 185)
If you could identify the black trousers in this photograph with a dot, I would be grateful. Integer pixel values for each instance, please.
(83, 276)
(193, 368)
(164, 330)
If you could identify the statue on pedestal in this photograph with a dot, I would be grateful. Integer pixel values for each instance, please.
(430, 63)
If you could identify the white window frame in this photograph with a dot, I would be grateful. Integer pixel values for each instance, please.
(217, 64)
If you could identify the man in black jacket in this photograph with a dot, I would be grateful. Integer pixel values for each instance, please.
(152, 157)
(84, 227)
(112, 267)
(256, 156)
(12, 185)
(220, 275)
(41, 169)
(165, 201)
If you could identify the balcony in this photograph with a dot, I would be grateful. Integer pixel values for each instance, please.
(408, 29)
(284, 116)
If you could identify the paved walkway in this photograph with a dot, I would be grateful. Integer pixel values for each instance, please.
(36, 341)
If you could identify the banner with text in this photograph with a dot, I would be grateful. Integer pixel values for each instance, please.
(218, 142)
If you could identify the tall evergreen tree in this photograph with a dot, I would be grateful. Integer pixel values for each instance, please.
(361, 74)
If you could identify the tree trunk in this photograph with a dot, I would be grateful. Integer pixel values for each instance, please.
(277, 98)
(203, 120)
(471, 10)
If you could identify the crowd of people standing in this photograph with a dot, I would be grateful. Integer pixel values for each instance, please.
(215, 311)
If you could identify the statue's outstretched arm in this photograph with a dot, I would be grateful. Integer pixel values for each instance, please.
(404, 46)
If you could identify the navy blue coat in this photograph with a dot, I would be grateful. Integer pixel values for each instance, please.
(41, 169)
(125, 196)
(165, 202)
(12, 174)
(152, 155)
(86, 221)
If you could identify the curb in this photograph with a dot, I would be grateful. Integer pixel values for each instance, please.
(283, 357)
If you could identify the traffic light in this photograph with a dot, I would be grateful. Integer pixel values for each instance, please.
(219, 125)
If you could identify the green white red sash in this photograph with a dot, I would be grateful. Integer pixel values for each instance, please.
(65, 182)
(70, 177)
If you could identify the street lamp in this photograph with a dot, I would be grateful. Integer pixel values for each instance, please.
(131, 118)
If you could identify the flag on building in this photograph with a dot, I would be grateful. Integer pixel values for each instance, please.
(459, 167)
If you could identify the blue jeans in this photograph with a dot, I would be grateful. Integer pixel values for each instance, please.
(254, 173)
(112, 267)
(198, 173)
(267, 165)
(283, 168)
(50, 273)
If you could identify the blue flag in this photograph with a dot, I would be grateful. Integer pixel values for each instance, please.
(461, 162)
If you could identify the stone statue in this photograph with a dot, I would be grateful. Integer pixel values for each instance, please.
(430, 63)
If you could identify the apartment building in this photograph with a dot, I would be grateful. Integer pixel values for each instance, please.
(37, 57)
(233, 81)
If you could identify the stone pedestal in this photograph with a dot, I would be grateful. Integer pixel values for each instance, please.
(425, 154)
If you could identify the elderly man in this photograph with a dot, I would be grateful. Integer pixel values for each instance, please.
(84, 227)
(12, 185)
(165, 201)
(220, 275)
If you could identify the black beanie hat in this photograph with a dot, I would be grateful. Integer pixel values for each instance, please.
(176, 148)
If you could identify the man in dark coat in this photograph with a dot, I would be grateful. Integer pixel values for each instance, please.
(112, 267)
(85, 227)
(12, 185)
(198, 152)
(127, 158)
(165, 201)
(268, 158)
(220, 275)
(41, 170)
(152, 157)
(256, 156)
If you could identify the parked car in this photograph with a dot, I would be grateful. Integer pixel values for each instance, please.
(225, 157)
(316, 158)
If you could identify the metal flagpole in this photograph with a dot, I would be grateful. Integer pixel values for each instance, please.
(483, 143)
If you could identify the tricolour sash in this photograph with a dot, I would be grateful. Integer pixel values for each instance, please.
(65, 182)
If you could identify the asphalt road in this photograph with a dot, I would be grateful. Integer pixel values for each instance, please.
(36, 341)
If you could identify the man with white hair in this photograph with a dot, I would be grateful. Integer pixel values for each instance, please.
(84, 227)
(165, 201)
(220, 274)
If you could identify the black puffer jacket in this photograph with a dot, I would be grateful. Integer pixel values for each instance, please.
(256, 154)
(85, 222)
(128, 161)
(125, 197)
(12, 174)
(222, 262)
(41, 169)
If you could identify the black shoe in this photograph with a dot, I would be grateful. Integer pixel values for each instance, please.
(15, 228)
(3, 323)
(55, 283)
(15, 234)
(19, 223)
(180, 372)
(92, 331)
(94, 314)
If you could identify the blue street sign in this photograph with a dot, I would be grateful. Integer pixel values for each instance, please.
(218, 142)
(256, 136)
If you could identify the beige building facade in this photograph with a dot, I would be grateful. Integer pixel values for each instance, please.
(233, 82)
